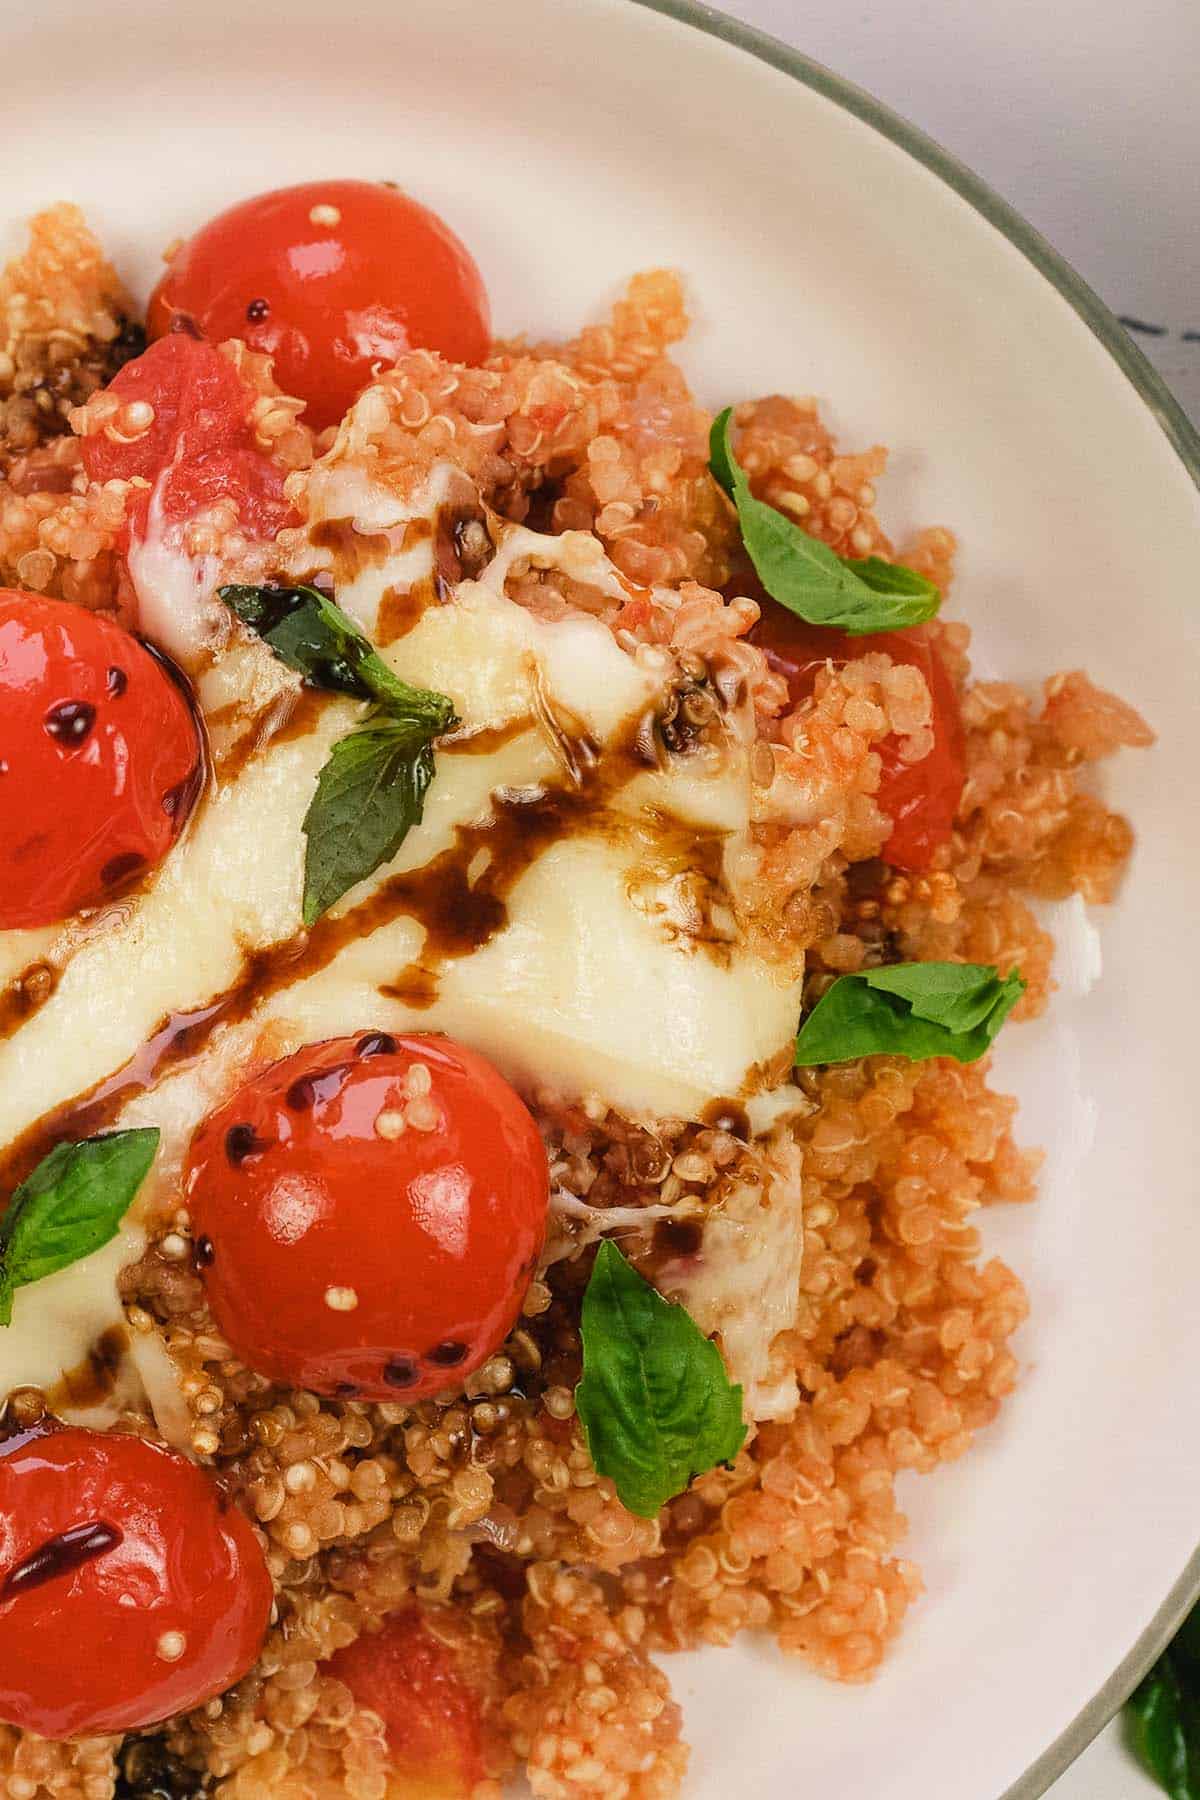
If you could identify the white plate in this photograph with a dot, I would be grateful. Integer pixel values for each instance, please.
(827, 250)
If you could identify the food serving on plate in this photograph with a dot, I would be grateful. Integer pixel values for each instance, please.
(508, 890)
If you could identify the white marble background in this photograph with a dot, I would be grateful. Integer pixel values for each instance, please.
(1084, 114)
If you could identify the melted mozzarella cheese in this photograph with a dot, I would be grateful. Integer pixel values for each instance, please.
(22, 950)
(583, 991)
(745, 1280)
(177, 607)
(57, 1322)
(600, 982)
(342, 494)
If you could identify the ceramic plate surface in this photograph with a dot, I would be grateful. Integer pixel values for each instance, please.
(571, 145)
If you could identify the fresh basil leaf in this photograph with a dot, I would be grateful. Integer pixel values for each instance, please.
(1163, 1731)
(71, 1204)
(1162, 1716)
(371, 791)
(723, 463)
(805, 575)
(656, 1403)
(895, 578)
(917, 1010)
(310, 633)
(369, 796)
(959, 996)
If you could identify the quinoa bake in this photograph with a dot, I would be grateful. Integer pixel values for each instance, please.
(507, 888)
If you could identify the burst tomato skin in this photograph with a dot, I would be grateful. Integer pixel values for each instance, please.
(198, 449)
(100, 759)
(330, 279)
(920, 798)
(158, 1595)
(430, 1715)
(368, 1215)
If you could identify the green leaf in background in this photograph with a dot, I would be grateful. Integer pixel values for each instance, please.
(917, 1010)
(1162, 1716)
(656, 1402)
(369, 796)
(805, 575)
(71, 1204)
(308, 632)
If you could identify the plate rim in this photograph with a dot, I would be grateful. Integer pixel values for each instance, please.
(1184, 439)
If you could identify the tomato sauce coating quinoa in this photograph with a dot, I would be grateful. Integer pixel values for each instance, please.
(484, 1511)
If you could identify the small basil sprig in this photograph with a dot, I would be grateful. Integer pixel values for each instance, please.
(310, 633)
(916, 1010)
(655, 1402)
(805, 575)
(71, 1204)
(369, 795)
(1162, 1716)
(371, 792)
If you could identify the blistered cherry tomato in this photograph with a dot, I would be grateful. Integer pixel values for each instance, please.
(920, 798)
(130, 1588)
(331, 279)
(100, 759)
(200, 440)
(369, 1214)
(430, 1715)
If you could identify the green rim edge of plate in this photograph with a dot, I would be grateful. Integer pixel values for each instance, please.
(1185, 440)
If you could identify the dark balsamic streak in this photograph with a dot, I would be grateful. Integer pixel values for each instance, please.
(121, 869)
(174, 1042)
(26, 995)
(291, 716)
(61, 1555)
(70, 722)
(300, 718)
(242, 1142)
(353, 550)
(487, 739)
(322, 1085)
(94, 1379)
(401, 1371)
(414, 986)
(1140, 325)
(401, 610)
(727, 1115)
(678, 1237)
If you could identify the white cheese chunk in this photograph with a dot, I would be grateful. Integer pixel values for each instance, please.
(22, 950)
(177, 606)
(745, 1282)
(342, 493)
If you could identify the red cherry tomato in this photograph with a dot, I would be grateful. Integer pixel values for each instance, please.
(430, 1715)
(920, 798)
(331, 279)
(200, 442)
(369, 1213)
(100, 759)
(130, 1589)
